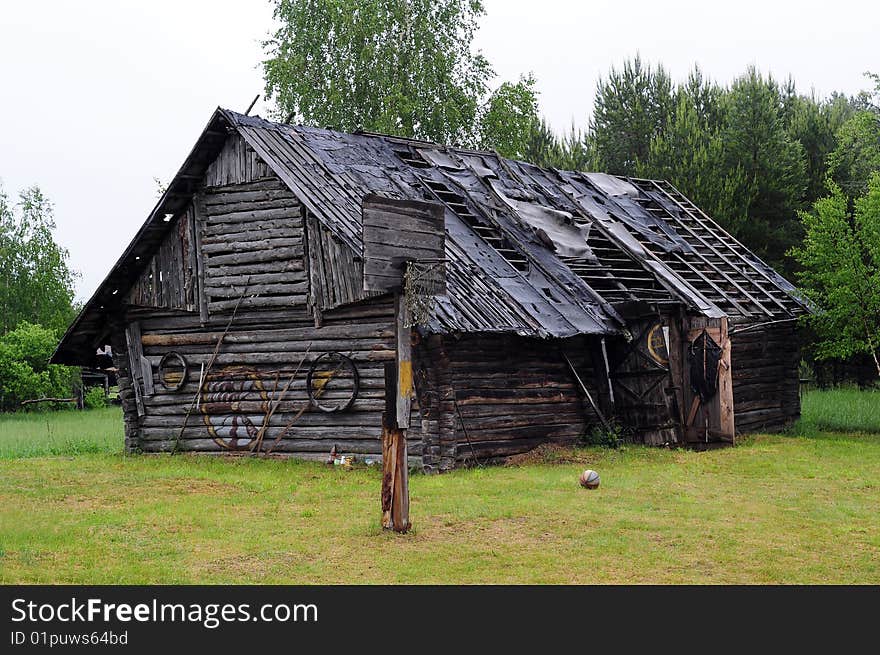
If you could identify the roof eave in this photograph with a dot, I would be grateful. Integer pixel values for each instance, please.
(107, 296)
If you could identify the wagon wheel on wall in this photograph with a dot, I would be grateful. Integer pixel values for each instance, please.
(221, 403)
(333, 382)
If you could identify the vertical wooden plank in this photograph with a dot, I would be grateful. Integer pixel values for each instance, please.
(138, 361)
(400, 498)
(395, 471)
(404, 361)
(389, 464)
(134, 369)
(198, 214)
(676, 368)
(404, 392)
(725, 386)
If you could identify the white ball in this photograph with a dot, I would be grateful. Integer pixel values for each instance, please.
(589, 479)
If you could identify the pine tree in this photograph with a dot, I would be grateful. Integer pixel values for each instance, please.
(631, 108)
(773, 163)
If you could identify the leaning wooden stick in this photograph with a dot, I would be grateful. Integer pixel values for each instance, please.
(255, 445)
(586, 392)
(211, 361)
(258, 442)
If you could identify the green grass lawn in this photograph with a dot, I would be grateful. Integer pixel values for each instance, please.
(840, 410)
(63, 432)
(797, 508)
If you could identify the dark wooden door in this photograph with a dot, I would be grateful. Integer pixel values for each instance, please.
(644, 393)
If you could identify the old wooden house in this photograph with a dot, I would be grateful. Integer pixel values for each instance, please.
(249, 313)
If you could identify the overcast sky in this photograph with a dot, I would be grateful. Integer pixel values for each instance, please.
(98, 98)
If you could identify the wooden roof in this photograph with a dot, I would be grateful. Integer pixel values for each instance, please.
(538, 252)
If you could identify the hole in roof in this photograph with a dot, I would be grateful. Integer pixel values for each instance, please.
(549, 294)
(412, 158)
(115, 291)
(137, 257)
(168, 218)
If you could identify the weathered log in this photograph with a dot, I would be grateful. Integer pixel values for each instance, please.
(212, 269)
(223, 247)
(216, 200)
(260, 301)
(345, 332)
(250, 258)
(280, 228)
(253, 216)
(275, 289)
(238, 203)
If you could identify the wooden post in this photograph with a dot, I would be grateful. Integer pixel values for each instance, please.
(395, 472)
(404, 362)
(395, 421)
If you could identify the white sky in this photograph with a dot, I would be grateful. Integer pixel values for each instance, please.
(98, 98)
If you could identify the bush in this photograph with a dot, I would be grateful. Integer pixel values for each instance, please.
(95, 398)
(25, 372)
(611, 436)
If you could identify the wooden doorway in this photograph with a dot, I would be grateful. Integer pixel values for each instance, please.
(642, 382)
(707, 421)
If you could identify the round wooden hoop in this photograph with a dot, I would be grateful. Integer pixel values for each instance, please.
(184, 376)
(346, 361)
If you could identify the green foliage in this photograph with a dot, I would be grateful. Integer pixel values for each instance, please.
(857, 154)
(572, 151)
(510, 118)
(24, 369)
(543, 147)
(869, 100)
(840, 257)
(691, 154)
(814, 124)
(610, 436)
(757, 142)
(632, 107)
(402, 67)
(36, 283)
(95, 398)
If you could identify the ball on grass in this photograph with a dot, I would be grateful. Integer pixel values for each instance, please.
(589, 479)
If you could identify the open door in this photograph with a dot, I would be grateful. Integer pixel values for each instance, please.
(702, 363)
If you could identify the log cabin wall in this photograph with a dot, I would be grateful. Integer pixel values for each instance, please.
(489, 396)
(764, 367)
(261, 352)
(434, 395)
(251, 238)
(126, 391)
(336, 275)
(169, 279)
(248, 238)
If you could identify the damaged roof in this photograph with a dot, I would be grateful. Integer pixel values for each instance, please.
(597, 239)
(539, 252)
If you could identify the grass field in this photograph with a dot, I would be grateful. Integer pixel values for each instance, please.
(797, 508)
(64, 432)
